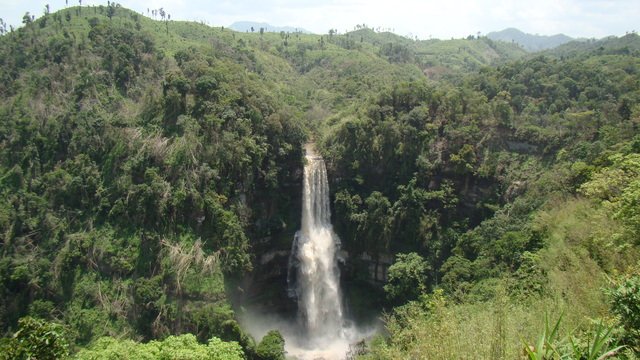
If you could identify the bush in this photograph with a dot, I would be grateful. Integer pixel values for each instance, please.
(406, 278)
(625, 302)
(35, 339)
(271, 347)
(184, 347)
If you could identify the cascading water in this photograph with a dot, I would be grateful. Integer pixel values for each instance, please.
(313, 260)
(320, 331)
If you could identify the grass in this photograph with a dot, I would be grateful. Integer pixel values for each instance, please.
(568, 317)
(492, 330)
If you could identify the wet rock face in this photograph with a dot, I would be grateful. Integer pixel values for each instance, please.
(274, 217)
(265, 288)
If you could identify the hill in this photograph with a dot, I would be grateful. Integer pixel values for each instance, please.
(157, 139)
(529, 42)
(438, 58)
(628, 44)
(246, 26)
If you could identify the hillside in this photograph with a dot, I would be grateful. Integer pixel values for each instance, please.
(161, 159)
(529, 42)
(150, 188)
(438, 58)
(626, 45)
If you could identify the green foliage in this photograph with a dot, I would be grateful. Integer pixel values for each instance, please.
(545, 348)
(458, 272)
(144, 166)
(271, 347)
(407, 278)
(134, 186)
(600, 347)
(551, 346)
(625, 303)
(35, 339)
(531, 278)
(173, 347)
(435, 328)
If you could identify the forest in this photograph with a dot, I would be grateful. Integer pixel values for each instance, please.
(487, 198)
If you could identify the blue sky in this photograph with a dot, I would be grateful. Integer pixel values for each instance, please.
(438, 19)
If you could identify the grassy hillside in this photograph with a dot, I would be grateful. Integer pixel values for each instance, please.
(437, 58)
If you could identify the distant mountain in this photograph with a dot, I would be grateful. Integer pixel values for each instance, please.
(528, 41)
(245, 26)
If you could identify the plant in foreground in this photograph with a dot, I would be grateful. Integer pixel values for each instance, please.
(601, 345)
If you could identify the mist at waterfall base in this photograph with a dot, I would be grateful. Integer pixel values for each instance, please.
(320, 329)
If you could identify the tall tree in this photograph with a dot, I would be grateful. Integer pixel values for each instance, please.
(26, 19)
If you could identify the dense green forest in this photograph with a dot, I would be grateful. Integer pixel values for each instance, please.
(147, 167)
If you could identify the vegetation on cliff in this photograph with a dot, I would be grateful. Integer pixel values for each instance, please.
(146, 166)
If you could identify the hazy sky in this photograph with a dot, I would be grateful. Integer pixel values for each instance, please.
(440, 19)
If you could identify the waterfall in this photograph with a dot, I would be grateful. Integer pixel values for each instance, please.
(313, 268)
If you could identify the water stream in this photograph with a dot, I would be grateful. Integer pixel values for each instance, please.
(313, 261)
(320, 330)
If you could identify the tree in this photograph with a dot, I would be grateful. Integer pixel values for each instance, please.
(26, 19)
(377, 224)
(271, 347)
(407, 278)
(619, 187)
(456, 272)
(111, 10)
(36, 339)
(173, 347)
(625, 302)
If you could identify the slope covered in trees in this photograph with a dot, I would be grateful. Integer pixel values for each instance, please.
(133, 177)
(148, 167)
(485, 188)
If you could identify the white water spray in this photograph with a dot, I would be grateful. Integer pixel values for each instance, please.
(314, 261)
(313, 257)
(320, 332)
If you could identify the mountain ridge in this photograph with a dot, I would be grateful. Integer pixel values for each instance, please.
(245, 26)
(530, 42)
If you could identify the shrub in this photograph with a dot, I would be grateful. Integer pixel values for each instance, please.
(271, 347)
(35, 339)
(625, 302)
